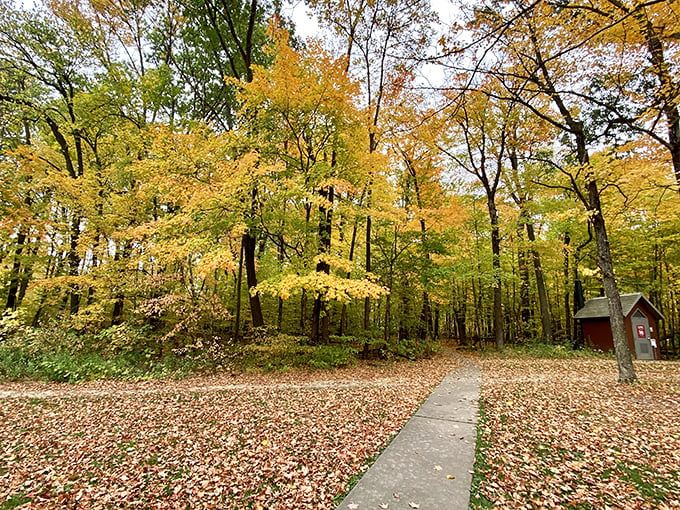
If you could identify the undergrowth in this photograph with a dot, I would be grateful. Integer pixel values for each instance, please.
(541, 350)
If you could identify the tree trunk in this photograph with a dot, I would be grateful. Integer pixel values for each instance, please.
(237, 292)
(279, 312)
(604, 262)
(320, 319)
(249, 246)
(367, 301)
(524, 302)
(117, 315)
(15, 273)
(74, 264)
(668, 88)
(352, 245)
(565, 275)
(540, 285)
(496, 268)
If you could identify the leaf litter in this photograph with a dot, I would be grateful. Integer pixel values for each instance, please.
(565, 434)
(275, 441)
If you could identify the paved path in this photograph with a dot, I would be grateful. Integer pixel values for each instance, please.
(428, 465)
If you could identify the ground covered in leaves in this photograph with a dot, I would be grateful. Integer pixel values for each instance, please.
(565, 434)
(271, 441)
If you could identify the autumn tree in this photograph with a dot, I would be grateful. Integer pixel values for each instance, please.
(382, 39)
(477, 143)
(303, 116)
(535, 69)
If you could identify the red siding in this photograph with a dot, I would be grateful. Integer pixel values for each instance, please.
(598, 333)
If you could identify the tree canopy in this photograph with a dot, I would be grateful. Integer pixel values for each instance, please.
(192, 172)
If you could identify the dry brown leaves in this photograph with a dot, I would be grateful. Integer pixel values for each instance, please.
(564, 433)
(252, 441)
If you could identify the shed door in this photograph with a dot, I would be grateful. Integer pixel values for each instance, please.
(641, 335)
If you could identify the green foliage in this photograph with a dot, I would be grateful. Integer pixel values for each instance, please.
(283, 352)
(16, 364)
(55, 353)
(15, 501)
(542, 350)
(414, 349)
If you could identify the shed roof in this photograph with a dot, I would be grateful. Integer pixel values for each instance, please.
(599, 307)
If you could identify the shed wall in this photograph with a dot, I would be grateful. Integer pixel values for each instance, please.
(598, 333)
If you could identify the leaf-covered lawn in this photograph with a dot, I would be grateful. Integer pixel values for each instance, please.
(252, 441)
(565, 434)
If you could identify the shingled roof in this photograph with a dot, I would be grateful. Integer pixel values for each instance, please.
(599, 308)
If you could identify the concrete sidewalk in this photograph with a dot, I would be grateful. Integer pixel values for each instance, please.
(428, 465)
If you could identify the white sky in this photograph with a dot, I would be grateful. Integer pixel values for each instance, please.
(307, 26)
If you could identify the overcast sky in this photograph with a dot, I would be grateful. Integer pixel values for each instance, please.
(306, 26)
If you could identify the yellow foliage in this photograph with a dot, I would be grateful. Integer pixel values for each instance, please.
(330, 287)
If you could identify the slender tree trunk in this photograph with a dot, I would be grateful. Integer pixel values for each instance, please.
(279, 314)
(74, 264)
(524, 302)
(367, 301)
(540, 285)
(239, 284)
(303, 311)
(604, 262)
(565, 275)
(16, 272)
(499, 332)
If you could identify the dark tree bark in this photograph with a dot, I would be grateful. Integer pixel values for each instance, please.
(239, 285)
(565, 275)
(498, 326)
(320, 319)
(15, 274)
(249, 248)
(540, 286)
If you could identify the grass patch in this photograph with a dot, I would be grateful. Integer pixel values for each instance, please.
(15, 501)
(477, 499)
(646, 481)
(542, 351)
(63, 366)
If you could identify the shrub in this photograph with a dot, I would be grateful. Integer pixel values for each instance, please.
(415, 349)
(283, 352)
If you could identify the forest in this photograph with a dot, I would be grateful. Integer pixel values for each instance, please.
(191, 180)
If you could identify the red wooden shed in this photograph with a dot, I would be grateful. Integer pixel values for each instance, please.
(640, 316)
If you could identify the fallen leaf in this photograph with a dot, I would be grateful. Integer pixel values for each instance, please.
(413, 505)
(450, 477)
(437, 468)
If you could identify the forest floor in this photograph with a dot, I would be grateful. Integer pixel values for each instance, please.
(274, 441)
(564, 434)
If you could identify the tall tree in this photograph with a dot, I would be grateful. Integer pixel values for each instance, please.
(535, 70)
(477, 142)
(382, 40)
